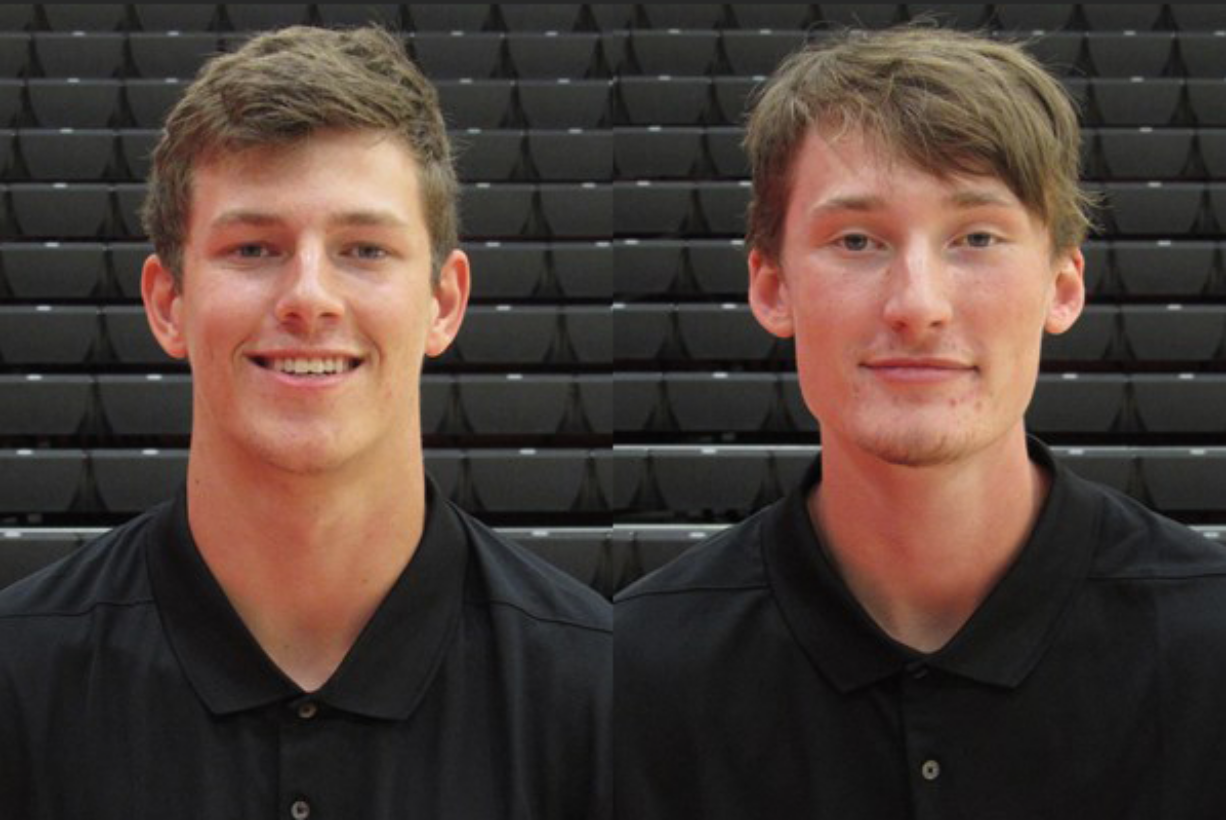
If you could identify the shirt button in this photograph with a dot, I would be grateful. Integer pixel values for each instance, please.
(301, 810)
(307, 710)
(917, 670)
(931, 770)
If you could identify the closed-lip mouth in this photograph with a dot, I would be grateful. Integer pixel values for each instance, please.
(926, 363)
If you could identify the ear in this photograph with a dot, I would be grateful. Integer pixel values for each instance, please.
(1068, 292)
(449, 302)
(769, 298)
(163, 307)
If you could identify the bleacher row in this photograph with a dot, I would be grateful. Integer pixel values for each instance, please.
(610, 398)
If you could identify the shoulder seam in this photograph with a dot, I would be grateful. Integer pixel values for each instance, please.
(651, 593)
(541, 618)
(76, 613)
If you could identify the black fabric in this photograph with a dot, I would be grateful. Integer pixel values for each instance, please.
(750, 683)
(130, 688)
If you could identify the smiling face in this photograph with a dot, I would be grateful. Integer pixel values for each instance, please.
(306, 305)
(918, 303)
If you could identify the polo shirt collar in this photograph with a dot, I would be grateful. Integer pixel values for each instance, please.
(999, 645)
(388, 669)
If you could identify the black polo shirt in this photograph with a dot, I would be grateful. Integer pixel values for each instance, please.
(130, 688)
(1090, 684)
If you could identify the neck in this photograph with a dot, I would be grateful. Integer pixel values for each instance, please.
(921, 547)
(305, 559)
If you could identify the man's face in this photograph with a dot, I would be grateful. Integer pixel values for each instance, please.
(918, 304)
(306, 305)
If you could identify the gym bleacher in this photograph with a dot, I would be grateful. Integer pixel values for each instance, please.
(609, 400)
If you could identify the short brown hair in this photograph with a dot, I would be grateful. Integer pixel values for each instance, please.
(946, 101)
(281, 87)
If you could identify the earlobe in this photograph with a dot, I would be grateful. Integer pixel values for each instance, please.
(769, 298)
(449, 303)
(1068, 293)
(163, 307)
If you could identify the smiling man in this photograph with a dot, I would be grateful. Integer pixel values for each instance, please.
(940, 621)
(308, 629)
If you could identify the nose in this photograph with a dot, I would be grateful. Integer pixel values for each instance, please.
(309, 297)
(919, 297)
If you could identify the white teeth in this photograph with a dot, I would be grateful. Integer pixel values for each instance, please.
(311, 367)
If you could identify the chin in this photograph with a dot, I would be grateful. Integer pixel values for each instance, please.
(916, 447)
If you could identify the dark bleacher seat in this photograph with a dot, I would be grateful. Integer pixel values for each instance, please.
(527, 480)
(719, 267)
(1204, 53)
(951, 15)
(1174, 333)
(1164, 268)
(95, 17)
(37, 405)
(60, 211)
(773, 16)
(488, 156)
(639, 402)
(1114, 466)
(40, 481)
(546, 55)
(759, 52)
(446, 468)
(798, 416)
(496, 211)
(53, 271)
(73, 103)
(646, 208)
(657, 153)
(146, 405)
(125, 261)
(596, 403)
(25, 555)
(512, 270)
(1099, 272)
(1212, 145)
(513, 404)
(1077, 403)
(128, 199)
(475, 103)
(149, 101)
(17, 16)
(572, 155)
(79, 54)
(1155, 208)
(14, 54)
(578, 210)
(583, 554)
(1188, 480)
(584, 270)
(508, 334)
(728, 482)
(1146, 153)
(126, 329)
(170, 54)
(1135, 101)
(449, 16)
(723, 333)
(1181, 403)
(732, 96)
(612, 17)
(721, 402)
(861, 15)
(723, 145)
(131, 481)
(1217, 203)
(44, 334)
(1207, 99)
(438, 404)
(565, 103)
(175, 16)
(681, 15)
(1091, 339)
(647, 268)
(1199, 16)
(540, 16)
(1130, 53)
(1122, 16)
(137, 146)
(11, 105)
(1025, 17)
(263, 16)
(673, 52)
(643, 332)
(67, 154)
(724, 205)
(664, 100)
(386, 15)
(588, 329)
(454, 54)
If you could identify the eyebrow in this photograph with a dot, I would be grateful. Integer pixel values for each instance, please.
(867, 203)
(375, 219)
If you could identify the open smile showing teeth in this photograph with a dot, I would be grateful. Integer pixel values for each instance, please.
(300, 366)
